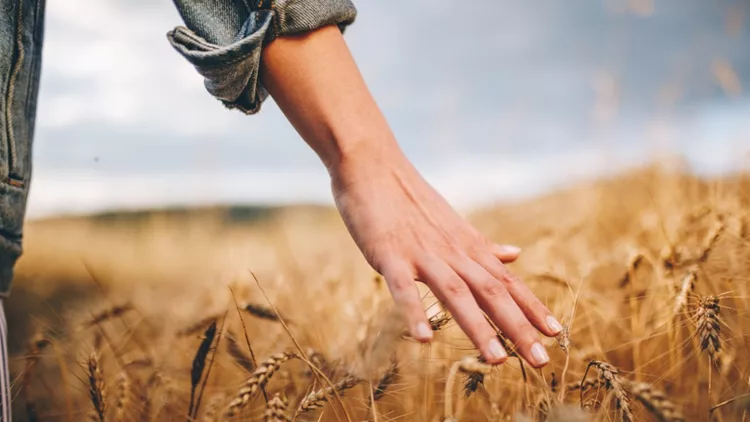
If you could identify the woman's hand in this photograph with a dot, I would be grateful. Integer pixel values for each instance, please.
(408, 232)
(404, 228)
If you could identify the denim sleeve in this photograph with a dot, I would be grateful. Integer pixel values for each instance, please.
(224, 39)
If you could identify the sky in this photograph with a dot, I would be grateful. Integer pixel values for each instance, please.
(500, 100)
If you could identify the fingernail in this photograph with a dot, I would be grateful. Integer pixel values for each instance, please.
(539, 354)
(512, 249)
(496, 349)
(424, 332)
(553, 324)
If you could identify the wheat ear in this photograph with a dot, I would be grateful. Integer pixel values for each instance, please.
(123, 396)
(319, 398)
(276, 410)
(97, 388)
(709, 327)
(199, 364)
(258, 380)
(385, 381)
(656, 401)
(468, 365)
(610, 376)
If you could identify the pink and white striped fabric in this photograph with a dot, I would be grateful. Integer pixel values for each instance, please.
(4, 379)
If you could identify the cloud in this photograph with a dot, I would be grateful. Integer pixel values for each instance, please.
(124, 121)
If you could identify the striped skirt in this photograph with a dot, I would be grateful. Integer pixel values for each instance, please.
(4, 380)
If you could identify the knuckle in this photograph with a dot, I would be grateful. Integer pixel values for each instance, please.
(493, 289)
(455, 287)
(400, 289)
(478, 246)
(510, 279)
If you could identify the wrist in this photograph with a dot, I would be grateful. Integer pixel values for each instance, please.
(366, 159)
(358, 153)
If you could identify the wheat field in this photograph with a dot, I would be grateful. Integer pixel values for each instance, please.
(273, 315)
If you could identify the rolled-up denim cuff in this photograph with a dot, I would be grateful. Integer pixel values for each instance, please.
(231, 70)
(300, 16)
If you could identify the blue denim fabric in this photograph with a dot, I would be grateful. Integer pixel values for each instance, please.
(21, 34)
(223, 39)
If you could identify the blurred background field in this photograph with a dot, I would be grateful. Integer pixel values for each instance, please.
(610, 257)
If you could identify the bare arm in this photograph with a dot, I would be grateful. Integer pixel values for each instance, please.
(404, 228)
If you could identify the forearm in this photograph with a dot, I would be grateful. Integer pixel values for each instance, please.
(316, 83)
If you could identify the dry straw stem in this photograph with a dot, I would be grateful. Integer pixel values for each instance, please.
(656, 401)
(610, 376)
(319, 398)
(385, 381)
(123, 396)
(276, 410)
(97, 388)
(709, 327)
(258, 380)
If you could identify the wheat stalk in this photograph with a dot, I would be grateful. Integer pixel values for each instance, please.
(97, 388)
(687, 285)
(262, 312)
(468, 365)
(319, 398)
(198, 326)
(634, 262)
(199, 364)
(109, 313)
(474, 380)
(583, 385)
(385, 381)
(33, 351)
(440, 320)
(123, 396)
(709, 327)
(710, 241)
(610, 377)
(656, 401)
(212, 408)
(242, 359)
(437, 322)
(319, 361)
(258, 380)
(276, 410)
